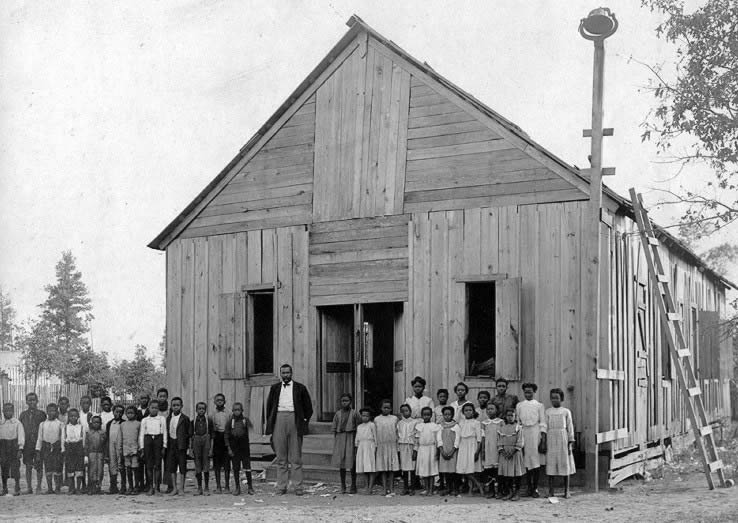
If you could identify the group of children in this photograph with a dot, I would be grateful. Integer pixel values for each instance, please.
(145, 445)
(487, 447)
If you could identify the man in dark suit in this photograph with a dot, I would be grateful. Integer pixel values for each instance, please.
(289, 410)
(179, 430)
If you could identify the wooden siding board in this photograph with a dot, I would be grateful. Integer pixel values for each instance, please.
(446, 129)
(445, 140)
(284, 296)
(369, 258)
(529, 259)
(363, 255)
(454, 358)
(361, 200)
(253, 258)
(300, 281)
(438, 306)
(269, 259)
(490, 240)
(489, 201)
(199, 387)
(174, 310)
(402, 129)
(215, 287)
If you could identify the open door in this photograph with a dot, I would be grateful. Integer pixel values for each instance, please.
(336, 352)
(357, 354)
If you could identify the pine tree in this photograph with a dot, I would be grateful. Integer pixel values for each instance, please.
(66, 314)
(7, 321)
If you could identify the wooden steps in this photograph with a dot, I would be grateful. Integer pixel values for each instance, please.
(317, 451)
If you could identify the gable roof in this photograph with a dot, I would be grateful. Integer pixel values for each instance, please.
(510, 130)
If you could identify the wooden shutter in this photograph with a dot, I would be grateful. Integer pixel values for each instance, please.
(231, 336)
(709, 352)
(507, 328)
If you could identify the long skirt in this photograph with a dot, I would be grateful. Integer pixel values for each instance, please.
(465, 463)
(531, 438)
(406, 457)
(558, 460)
(365, 456)
(427, 465)
(387, 457)
(343, 450)
(512, 467)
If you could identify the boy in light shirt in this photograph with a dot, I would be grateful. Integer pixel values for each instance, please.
(12, 439)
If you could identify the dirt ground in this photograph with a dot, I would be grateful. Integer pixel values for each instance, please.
(674, 492)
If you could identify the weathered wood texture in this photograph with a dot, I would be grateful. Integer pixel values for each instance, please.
(359, 261)
(647, 401)
(535, 243)
(455, 161)
(360, 137)
(206, 316)
(274, 189)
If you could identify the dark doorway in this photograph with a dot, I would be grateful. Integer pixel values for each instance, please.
(357, 354)
(379, 323)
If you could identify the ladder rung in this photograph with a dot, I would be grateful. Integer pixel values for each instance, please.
(684, 353)
(652, 240)
(673, 316)
(715, 465)
(694, 391)
(706, 430)
(663, 278)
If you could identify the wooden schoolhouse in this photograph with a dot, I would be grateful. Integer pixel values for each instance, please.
(383, 223)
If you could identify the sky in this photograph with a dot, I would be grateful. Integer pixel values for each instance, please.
(115, 115)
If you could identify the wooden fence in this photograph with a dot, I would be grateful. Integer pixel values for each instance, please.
(15, 393)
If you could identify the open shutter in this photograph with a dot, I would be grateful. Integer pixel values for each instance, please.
(231, 336)
(710, 354)
(507, 328)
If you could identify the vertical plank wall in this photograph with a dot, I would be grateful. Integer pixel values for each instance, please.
(199, 270)
(662, 414)
(360, 138)
(275, 188)
(541, 244)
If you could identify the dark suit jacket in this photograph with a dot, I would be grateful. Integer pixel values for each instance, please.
(184, 431)
(303, 407)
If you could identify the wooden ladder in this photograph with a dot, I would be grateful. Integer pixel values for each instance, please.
(679, 349)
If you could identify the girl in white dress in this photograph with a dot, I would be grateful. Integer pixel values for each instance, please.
(468, 463)
(426, 450)
(490, 461)
(386, 460)
(448, 443)
(366, 447)
(532, 418)
(559, 458)
(406, 446)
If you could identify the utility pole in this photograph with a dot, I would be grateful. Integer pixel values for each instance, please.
(597, 26)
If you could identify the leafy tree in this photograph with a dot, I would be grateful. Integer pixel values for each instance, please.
(7, 321)
(91, 368)
(137, 375)
(36, 342)
(66, 313)
(163, 350)
(720, 257)
(696, 114)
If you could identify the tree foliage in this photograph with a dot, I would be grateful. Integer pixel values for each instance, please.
(36, 343)
(696, 113)
(66, 314)
(67, 309)
(7, 321)
(137, 375)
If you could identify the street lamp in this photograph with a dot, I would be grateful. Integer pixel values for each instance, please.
(597, 26)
